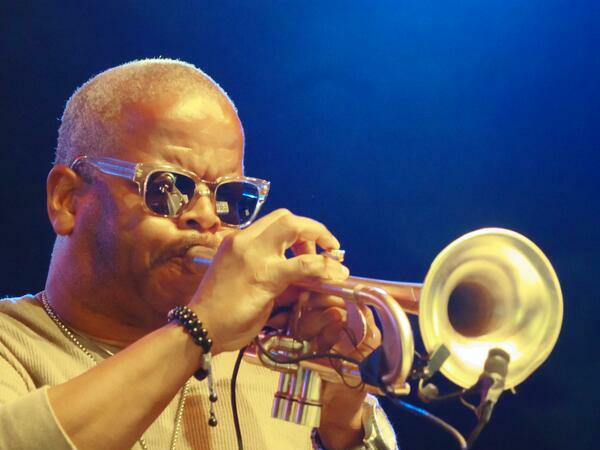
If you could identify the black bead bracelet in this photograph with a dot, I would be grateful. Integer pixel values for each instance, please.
(189, 321)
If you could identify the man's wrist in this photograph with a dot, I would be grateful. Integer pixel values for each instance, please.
(341, 424)
(341, 416)
(334, 437)
(376, 432)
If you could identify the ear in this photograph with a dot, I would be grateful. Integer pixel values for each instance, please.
(61, 188)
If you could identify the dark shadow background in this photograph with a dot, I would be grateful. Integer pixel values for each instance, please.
(399, 124)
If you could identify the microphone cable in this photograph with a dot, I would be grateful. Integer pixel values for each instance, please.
(236, 418)
(420, 412)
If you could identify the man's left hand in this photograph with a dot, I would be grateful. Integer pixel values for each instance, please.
(323, 321)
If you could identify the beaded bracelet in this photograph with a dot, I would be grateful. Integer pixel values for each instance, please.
(190, 322)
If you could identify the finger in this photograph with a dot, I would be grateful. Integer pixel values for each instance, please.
(307, 267)
(373, 335)
(329, 336)
(288, 297)
(314, 322)
(297, 311)
(356, 325)
(325, 301)
(279, 320)
(304, 247)
(357, 340)
(289, 229)
(258, 226)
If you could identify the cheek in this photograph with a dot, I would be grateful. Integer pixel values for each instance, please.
(96, 230)
(163, 283)
(112, 222)
(131, 229)
(146, 238)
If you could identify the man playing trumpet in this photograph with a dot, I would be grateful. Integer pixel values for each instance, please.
(148, 177)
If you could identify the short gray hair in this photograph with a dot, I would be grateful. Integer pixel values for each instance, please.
(88, 123)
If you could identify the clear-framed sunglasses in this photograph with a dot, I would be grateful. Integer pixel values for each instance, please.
(168, 191)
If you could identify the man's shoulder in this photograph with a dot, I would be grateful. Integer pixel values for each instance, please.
(19, 308)
(22, 317)
(11, 302)
(31, 345)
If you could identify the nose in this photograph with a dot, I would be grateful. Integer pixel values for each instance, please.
(202, 215)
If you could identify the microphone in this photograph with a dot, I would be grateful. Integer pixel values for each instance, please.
(491, 382)
(490, 386)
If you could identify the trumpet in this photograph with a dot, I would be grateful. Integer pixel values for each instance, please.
(490, 290)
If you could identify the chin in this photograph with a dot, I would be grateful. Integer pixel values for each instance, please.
(166, 290)
(177, 293)
(161, 304)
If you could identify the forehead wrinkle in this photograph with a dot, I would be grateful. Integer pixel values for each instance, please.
(183, 157)
(210, 164)
(178, 148)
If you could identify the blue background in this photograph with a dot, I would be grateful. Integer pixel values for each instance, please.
(399, 124)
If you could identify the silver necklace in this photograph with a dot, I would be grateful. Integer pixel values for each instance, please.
(67, 332)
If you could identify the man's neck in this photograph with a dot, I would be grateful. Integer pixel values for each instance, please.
(91, 324)
(90, 305)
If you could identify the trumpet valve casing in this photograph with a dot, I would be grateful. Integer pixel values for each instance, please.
(298, 398)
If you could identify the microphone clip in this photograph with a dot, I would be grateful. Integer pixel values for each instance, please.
(430, 365)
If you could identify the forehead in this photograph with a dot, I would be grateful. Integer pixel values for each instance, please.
(198, 132)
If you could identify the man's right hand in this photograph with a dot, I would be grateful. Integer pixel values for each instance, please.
(250, 269)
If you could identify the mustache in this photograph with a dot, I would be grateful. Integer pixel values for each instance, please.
(180, 248)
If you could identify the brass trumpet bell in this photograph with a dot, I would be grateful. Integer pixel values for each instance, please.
(491, 288)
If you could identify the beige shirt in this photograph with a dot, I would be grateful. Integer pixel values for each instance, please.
(35, 354)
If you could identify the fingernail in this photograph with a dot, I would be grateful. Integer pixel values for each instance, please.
(345, 271)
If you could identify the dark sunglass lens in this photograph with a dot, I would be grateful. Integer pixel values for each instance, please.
(167, 192)
(236, 201)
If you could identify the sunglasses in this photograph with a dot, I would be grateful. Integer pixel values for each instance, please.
(168, 191)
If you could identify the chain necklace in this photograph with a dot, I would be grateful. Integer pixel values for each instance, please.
(67, 332)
